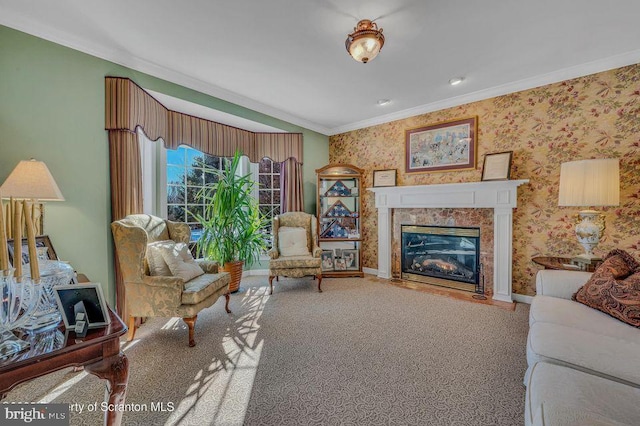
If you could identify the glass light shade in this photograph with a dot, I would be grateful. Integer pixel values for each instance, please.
(365, 42)
(590, 183)
(31, 180)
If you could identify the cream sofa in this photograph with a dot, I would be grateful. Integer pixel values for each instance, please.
(583, 365)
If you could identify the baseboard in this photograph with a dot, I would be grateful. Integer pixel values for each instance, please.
(522, 298)
(370, 271)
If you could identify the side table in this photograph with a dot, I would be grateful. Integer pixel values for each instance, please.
(564, 263)
(99, 352)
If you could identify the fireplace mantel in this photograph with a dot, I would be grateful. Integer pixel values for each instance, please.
(501, 196)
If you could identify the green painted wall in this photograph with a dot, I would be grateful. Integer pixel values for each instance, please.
(52, 109)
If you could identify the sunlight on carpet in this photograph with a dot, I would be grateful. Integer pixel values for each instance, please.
(224, 388)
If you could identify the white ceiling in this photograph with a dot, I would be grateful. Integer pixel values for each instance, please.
(287, 58)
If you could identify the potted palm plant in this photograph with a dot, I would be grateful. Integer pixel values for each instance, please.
(232, 223)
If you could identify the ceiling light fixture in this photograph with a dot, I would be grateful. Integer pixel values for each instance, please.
(456, 80)
(365, 42)
(383, 102)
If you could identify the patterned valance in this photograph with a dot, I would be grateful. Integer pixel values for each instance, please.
(128, 106)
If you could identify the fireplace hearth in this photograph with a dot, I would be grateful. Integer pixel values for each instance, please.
(441, 255)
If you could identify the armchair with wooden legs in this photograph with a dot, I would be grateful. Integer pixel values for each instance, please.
(302, 255)
(162, 296)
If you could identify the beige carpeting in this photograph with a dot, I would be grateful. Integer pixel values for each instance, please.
(363, 352)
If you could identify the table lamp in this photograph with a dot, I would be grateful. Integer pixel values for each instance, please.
(31, 180)
(589, 183)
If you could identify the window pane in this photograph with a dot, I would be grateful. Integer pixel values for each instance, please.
(210, 178)
(192, 211)
(276, 182)
(265, 210)
(265, 166)
(192, 195)
(195, 176)
(175, 194)
(175, 213)
(211, 161)
(264, 181)
(264, 197)
(175, 175)
(276, 197)
(195, 158)
(175, 156)
(196, 233)
(276, 167)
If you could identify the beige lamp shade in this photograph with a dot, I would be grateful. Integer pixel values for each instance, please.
(590, 183)
(31, 179)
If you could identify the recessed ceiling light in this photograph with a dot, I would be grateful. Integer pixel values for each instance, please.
(383, 102)
(456, 80)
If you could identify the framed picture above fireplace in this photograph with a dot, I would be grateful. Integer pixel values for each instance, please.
(442, 147)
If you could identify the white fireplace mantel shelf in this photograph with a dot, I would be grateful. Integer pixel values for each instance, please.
(501, 196)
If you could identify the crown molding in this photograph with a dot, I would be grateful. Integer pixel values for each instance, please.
(593, 67)
(19, 22)
(24, 24)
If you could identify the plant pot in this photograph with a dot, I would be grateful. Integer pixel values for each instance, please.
(235, 270)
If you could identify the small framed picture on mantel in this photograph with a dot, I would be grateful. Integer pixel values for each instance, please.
(497, 166)
(384, 177)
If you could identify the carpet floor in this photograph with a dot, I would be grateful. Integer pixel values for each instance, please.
(363, 352)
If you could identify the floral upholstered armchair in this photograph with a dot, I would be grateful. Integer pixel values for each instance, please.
(295, 252)
(176, 285)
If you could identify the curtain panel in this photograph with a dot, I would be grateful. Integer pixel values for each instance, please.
(125, 168)
(128, 106)
(291, 196)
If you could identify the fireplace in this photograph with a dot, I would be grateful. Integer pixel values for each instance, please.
(441, 255)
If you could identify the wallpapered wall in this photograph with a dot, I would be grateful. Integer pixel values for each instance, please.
(597, 116)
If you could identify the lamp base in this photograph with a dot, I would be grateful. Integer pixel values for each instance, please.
(589, 231)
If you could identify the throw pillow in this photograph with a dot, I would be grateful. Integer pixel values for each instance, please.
(292, 241)
(614, 288)
(180, 261)
(157, 266)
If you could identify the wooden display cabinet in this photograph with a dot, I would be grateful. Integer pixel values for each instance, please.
(339, 221)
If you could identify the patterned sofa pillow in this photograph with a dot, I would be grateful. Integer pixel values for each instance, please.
(614, 288)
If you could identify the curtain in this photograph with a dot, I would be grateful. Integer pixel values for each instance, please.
(128, 106)
(291, 196)
(126, 190)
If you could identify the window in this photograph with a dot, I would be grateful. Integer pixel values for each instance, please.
(189, 170)
(269, 190)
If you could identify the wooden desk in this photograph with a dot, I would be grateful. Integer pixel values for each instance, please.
(99, 353)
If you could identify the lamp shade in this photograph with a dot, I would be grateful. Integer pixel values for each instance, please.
(31, 179)
(590, 183)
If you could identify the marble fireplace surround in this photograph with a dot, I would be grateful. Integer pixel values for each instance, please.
(501, 196)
